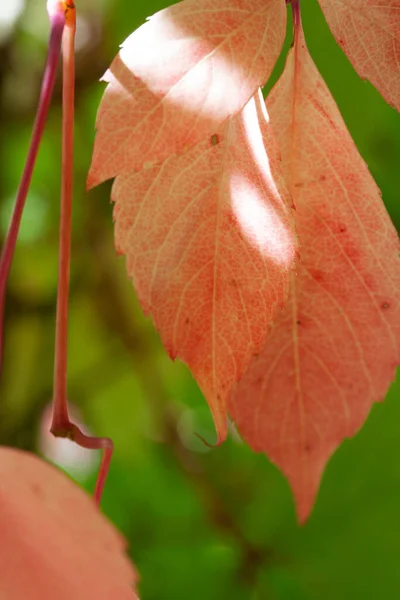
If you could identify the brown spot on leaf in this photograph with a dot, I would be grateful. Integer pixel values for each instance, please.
(317, 274)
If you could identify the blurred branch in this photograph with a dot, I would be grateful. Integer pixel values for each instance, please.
(22, 433)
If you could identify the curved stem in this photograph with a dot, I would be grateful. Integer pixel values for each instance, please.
(61, 425)
(95, 443)
(57, 19)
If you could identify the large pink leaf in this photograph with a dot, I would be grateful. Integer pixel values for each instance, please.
(180, 76)
(334, 349)
(54, 543)
(209, 248)
(369, 33)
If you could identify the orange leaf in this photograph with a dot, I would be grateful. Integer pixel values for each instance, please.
(180, 76)
(54, 541)
(209, 248)
(334, 349)
(369, 33)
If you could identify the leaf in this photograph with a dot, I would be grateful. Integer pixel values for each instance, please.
(369, 33)
(54, 541)
(334, 349)
(209, 247)
(180, 76)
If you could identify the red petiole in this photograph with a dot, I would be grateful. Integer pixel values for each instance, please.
(57, 20)
(296, 16)
(63, 25)
(61, 425)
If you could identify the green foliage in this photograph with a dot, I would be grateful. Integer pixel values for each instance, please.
(201, 523)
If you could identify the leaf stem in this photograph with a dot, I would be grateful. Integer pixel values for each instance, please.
(296, 17)
(60, 403)
(57, 20)
(61, 425)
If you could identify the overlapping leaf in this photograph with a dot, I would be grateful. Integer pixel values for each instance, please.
(180, 76)
(369, 33)
(54, 541)
(209, 248)
(334, 349)
(202, 215)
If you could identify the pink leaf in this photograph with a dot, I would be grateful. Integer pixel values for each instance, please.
(54, 541)
(180, 76)
(209, 248)
(334, 349)
(369, 33)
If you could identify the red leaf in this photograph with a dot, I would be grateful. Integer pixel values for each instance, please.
(334, 349)
(369, 33)
(209, 247)
(54, 541)
(180, 76)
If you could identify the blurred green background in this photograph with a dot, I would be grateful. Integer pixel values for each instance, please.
(201, 523)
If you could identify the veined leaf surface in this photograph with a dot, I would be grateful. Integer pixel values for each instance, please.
(334, 349)
(369, 33)
(209, 245)
(180, 76)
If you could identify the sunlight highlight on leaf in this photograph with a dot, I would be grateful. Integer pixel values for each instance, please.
(254, 218)
(180, 76)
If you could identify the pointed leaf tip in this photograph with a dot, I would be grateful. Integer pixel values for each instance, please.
(209, 243)
(333, 350)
